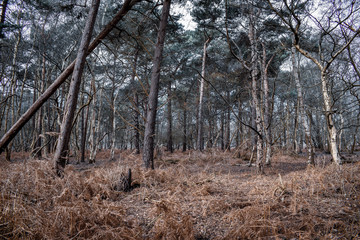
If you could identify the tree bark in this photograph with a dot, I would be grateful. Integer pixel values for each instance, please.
(323, 66)
(136, 103)
(332, 131)
(239, 132)
(267, 114)
(296, 128)
(287, 134)
(200, 140)
(254, 94)
(2, 17)
(84, 125)
(222, 127)
(148, 154)
(13, 84)
(113, 130)
(94, 135)
(169, 118)
(62, 148)
(304, 119)
(227, 124)
(12, 132)
(184, 146)
(137, 123)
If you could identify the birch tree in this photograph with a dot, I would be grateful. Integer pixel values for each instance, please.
(304, 119)
(338, 16)
(254, 94)
(200, 133)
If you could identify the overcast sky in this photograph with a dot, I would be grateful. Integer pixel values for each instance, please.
(186, 20)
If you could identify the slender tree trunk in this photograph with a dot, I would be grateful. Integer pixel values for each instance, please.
(200, 139)
(40, 119)
(95, 128)
(227, 125)
(84, 126)
(222, 131)
(12, 132)
(352, 149)
(332, 131)
(137, 110)
(296, 128)
(62, 148)
(13, 83)
(267, 114)
(287, 128)
(22, 140)
(317, 129)
(254, 94)
(239, 132)
(210, 131)
(39, 128)
(254, 136)
(137, 123)
(2, 17)
(148, 154)
(169, 119)
(304, 119)
(113, 140)
(341, 132)
(184, 127)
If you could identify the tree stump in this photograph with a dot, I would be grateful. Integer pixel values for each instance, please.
(124, 183)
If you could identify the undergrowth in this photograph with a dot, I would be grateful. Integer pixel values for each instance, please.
(188, 196)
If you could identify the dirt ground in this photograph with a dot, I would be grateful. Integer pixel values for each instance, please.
(211, 195)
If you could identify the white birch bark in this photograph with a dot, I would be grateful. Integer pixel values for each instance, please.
(95, 129)
(304, 119)
(332, 131)
(255, 99)
(200, 140)
(266, 112)
(113, 140)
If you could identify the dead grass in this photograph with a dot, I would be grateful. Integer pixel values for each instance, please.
(189, 196)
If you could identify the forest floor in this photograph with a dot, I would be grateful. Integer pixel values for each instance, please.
(191, 195)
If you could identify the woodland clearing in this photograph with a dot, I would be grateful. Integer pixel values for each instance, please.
(190, 195)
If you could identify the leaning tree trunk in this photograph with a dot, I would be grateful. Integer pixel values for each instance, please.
(304, 119)
(13, 131)
(148, 154)
(62, 148)
(200, 140)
